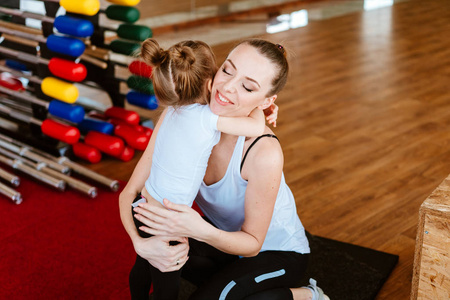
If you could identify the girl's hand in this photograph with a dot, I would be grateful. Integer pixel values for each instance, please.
(160, 254)
(176, 220)
(271, 114)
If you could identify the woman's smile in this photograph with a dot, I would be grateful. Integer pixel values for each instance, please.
(221, 99)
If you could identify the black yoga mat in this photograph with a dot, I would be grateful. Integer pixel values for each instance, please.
(344, 271)
(348, 272)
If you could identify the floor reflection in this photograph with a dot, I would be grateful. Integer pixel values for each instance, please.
(285, 22)
(289, 15)
(292, 14)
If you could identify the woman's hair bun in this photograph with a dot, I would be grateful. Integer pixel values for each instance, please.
(183, 57)
(152, 53)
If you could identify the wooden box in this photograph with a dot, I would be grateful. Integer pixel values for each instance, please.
(431, 277)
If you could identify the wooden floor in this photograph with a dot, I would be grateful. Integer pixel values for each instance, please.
(365, 125)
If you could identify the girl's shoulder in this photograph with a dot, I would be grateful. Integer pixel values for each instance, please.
(194, 108)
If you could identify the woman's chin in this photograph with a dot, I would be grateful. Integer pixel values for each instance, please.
(218, 108)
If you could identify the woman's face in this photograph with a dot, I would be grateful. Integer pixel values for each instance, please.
(242, 83)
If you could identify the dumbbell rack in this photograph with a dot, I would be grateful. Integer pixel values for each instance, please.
(28, 134)
(105, 78)
(23, 134)
(102, 77)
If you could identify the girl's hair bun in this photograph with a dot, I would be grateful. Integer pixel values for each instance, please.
(181, 73)
(152, 53)
(183, 57)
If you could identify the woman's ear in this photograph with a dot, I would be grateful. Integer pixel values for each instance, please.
(268, 102)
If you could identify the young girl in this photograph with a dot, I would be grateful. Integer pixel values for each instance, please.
(181, 144)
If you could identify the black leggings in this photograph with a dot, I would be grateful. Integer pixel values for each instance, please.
(143, 274)
(268, 275)
(218, 275)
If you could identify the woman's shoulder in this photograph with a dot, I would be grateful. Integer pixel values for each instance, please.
(268, 141)
(264, 152)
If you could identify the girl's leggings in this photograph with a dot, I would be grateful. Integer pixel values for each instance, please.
(221, 276)
(143, 274)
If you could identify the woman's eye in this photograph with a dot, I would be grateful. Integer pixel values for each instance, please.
(247, 89)
(225, 71)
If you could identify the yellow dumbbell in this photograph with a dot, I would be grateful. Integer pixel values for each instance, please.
(50, 86)
(82, 7)
(125, 2)
(59, 89)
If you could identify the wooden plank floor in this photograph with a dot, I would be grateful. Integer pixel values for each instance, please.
(365, 125)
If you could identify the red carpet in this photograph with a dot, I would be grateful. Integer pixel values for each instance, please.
(63, 245)
(67, 246)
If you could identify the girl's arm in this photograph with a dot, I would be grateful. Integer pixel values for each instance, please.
(251, 126)
(136, 183)
(263, 170)
(154, 249)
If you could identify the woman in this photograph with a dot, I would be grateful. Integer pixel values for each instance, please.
(244, 195)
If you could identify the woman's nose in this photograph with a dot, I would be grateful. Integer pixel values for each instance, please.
(229, 86)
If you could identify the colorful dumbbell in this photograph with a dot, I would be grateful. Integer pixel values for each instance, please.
(70, 112)
(142, 93)
(122, 13)
(132, 32)
(59, 67)
(140, 68)
(135, 135)
(125, 2)
(51, 86)
(59, 44)
(52, 128)
(82, 7)
(64, 24)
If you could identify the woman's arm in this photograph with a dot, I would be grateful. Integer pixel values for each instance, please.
(262, 169)
(251, 126)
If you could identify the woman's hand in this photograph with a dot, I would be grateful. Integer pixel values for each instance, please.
(160, 254)
(271, 114)
(176, 220)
